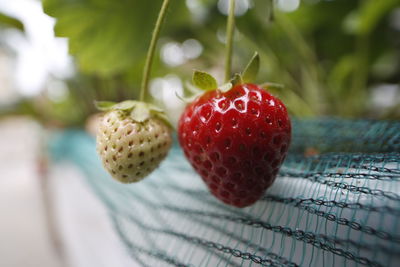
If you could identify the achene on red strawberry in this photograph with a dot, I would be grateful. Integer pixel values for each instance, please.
(236, 140)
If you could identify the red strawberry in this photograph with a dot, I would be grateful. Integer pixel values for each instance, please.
(236, 140)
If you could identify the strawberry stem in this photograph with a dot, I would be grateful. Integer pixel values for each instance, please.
(152, 48)
(230, 28)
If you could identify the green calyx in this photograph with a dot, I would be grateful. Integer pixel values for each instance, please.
(251, 70)
(203, 81)
(137, 110)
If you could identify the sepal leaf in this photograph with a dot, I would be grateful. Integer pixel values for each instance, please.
(104, 105)
(225, 87)
(154, 108)
(188, 99)
(192, 89)
(204, 81)
(126, 105)
(250, 72)
(140, 112)
(236, 80)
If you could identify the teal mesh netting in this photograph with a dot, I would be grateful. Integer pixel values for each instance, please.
(336, 205)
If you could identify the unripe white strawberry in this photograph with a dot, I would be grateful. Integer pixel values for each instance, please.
(132, 139)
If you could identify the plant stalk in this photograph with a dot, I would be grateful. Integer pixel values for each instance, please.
(150, 53)
(230, 28)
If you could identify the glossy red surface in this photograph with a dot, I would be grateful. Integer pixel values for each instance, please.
(236, 141)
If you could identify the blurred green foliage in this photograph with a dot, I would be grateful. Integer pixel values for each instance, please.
(108, 37)
(10, 22)
(328, 54)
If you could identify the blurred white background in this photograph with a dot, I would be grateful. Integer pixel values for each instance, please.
(27, 62)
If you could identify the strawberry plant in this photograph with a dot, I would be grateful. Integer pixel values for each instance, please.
(134, 136)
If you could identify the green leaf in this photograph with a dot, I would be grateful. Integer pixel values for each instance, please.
(372, 12)
(270, 15)
(204, 81)
(250, 72)
(110, 37)
(104, 105)
(237, 79)
(8, 21)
